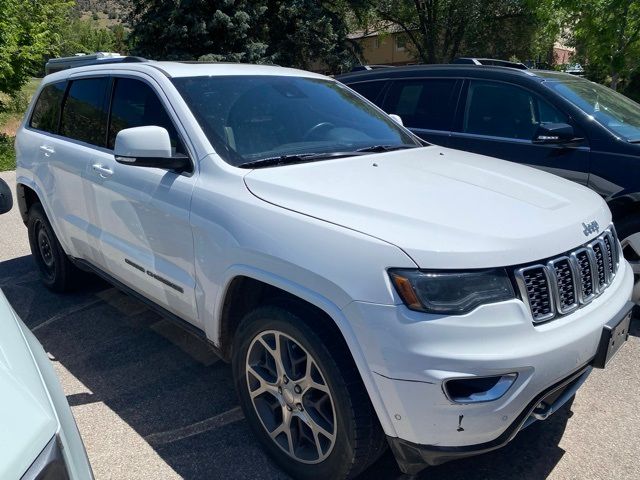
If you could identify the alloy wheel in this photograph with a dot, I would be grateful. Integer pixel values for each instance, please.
(631, 251)
(291, 397)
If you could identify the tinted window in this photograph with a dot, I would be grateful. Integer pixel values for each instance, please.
(422, 103)
(46, 112)
(84, 113)
(135, 104)
(369, 90)
(616, 112)
(503, 110)
(248, 118)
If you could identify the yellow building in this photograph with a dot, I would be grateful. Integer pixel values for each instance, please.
(388, 48)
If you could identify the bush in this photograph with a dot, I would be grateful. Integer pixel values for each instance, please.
(7, 153)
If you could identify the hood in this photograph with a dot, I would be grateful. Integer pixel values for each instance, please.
(445, 208)
(26, 416)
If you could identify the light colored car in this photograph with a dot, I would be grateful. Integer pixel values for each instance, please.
(368, 289)
(38, 435)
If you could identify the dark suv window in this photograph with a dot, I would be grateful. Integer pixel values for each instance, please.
(84, 114)
(46, 112)
(504, 110)
(369, 90)
(424, 103)
(135, 104)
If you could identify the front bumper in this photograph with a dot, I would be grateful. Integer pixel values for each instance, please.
(413, 458)
(411, 355)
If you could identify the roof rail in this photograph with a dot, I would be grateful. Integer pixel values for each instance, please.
(361, 68)
(81, 60)
(490, 61)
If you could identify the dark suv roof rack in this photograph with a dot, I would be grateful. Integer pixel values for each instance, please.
(362, 68)
(490, 61)
(99, 58)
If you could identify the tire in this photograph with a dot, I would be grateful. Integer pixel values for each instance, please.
(56, 270)
(332, 399)
(628, 230)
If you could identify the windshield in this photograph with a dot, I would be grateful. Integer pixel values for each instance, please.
(611, 109)
(253, 118)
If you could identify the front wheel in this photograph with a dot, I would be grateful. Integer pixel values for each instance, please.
(303, 397)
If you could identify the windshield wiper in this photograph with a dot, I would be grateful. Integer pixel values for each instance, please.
(296, 158)
(310, 157)
(385, 148)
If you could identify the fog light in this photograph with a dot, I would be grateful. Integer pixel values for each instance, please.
(478, 389)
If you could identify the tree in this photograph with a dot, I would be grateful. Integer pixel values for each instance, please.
(441, 30)
(29, 30)
(305, 33)
(606, 34)
(297, 33)
(198, 29)
(85, 36)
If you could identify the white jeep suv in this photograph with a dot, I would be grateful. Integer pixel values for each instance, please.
(368, 289)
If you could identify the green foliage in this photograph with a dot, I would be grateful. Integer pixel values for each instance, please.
(28, 31)
(441, 30)
(7, 153)
(199, 29)
(86, 36)
(606, 34)
(299, 33)
(303, 33)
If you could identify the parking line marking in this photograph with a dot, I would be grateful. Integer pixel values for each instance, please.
(65, 313)
(211, 423)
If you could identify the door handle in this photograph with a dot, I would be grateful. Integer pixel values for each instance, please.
(101, 170)
(48, 150)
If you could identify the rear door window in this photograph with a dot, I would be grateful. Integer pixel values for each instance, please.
(46, 112)
(136, 104)
(423, 103)
(504, 110)
(84, 114)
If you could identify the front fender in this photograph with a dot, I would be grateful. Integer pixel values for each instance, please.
(327, 306)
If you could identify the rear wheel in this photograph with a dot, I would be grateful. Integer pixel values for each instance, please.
(56, 271)
(303, 396)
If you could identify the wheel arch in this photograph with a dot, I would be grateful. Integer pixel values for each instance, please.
(624, 206)
(27, 196)
(245, 291)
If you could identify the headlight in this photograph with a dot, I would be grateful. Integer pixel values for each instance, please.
(451, 293)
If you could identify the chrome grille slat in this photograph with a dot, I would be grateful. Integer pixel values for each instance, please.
(567, 282)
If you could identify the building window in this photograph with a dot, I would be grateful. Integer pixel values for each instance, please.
(401, 42)
(376, 42)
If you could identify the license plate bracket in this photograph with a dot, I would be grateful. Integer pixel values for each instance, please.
(614, 335)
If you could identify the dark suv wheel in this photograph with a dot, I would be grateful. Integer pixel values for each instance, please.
(303, 397)
(56, 271)
(628, 231)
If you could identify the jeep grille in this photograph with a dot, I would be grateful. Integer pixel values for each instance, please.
(561, 285)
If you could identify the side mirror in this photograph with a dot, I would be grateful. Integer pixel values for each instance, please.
(554, 134)
(396, 118)
(6, 199)
(148, 146)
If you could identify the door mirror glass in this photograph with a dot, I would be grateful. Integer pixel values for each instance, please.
(6, 199)
(148, 146)
(554, 133)
(396, 118)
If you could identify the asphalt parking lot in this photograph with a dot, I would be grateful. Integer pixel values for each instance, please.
(152, 402)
